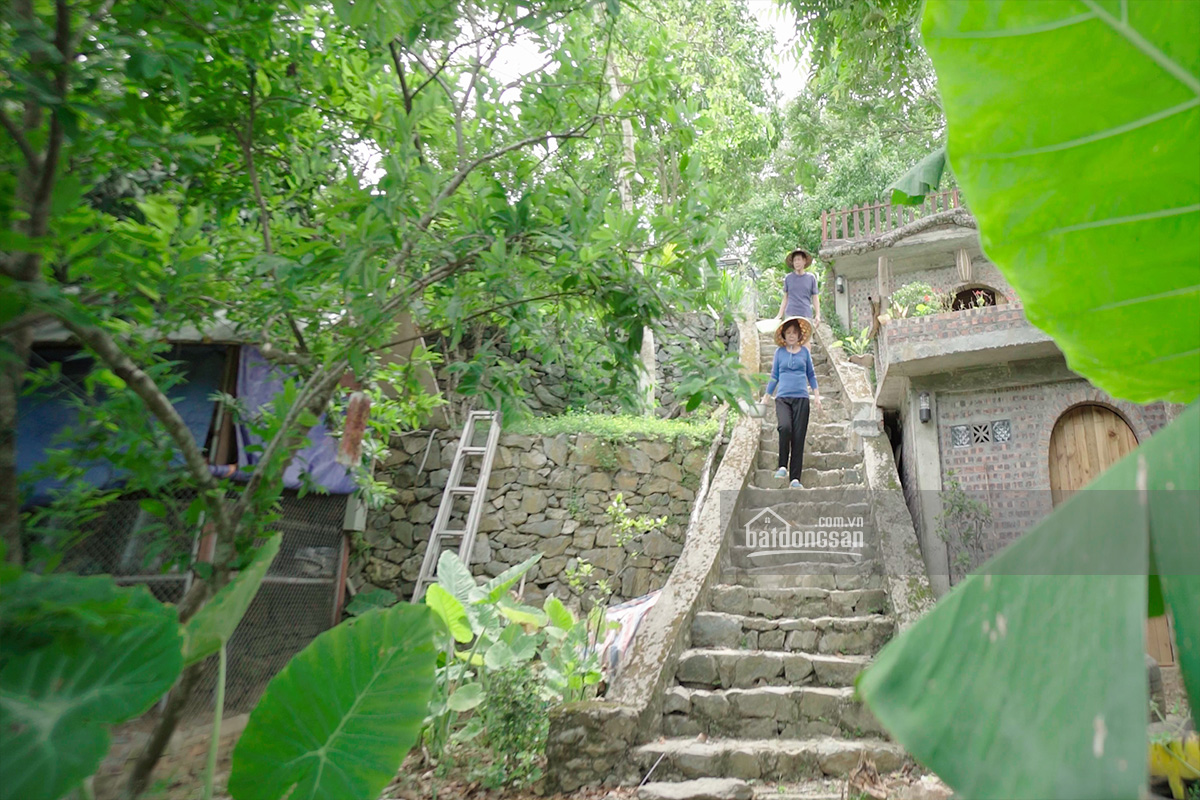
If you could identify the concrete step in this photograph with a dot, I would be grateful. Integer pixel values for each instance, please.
(808, 515)
(765, 759)
(726, 668)
(841, 635)
(760, 560)
(791, 712)
(818, 459)
(816, 442)
(797, 601)
(759, 498)
(818, 576)
(810, 477)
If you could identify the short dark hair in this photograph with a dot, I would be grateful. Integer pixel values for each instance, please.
(791, 323)
(791, 259)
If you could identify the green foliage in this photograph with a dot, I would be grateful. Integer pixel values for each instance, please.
(515, 722)
(214, 624)
(1080, 263)
(80, 655)
(506, 639)
(962, 524)
(620, 428)
(311, 736)
(918, 299)
(369, 601)
(1053, 627)
(1056, 621)
(856, 345)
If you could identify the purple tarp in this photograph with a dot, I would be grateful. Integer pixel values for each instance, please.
(258, 383)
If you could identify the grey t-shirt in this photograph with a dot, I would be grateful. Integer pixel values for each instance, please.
(800, 290)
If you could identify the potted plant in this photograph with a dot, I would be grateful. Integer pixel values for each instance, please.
(858, 349)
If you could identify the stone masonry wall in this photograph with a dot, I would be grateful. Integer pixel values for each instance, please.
(546, 495)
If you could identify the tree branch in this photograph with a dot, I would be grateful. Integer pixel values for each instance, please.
(31, 158)
(106, 348)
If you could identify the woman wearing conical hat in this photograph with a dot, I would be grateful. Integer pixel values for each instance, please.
(792, 375)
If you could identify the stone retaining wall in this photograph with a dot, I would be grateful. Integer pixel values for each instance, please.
(546, 495)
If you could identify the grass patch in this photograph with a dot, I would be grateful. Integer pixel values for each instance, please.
(618, 428)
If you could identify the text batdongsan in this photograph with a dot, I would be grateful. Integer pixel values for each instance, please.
(834, 523)
(777, 539)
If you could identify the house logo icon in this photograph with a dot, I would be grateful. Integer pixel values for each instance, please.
(768, 534)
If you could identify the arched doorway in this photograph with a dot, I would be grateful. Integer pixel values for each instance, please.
(1087, 440)
(974, 297)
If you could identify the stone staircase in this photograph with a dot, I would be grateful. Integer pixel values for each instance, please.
(765, 692)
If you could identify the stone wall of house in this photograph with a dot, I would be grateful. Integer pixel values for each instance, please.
(553, 388)
(1013, 476)
(942, 278)
(546, 495)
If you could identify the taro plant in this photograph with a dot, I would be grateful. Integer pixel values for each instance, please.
(853, 345)
(1073, 134)
(80, 654)
(961, 525)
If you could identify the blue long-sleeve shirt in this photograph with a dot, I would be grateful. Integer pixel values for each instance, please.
(793, 373)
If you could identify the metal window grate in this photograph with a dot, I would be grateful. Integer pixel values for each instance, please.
(1002, 431)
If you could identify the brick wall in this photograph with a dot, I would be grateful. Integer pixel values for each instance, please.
(1013, 477)
(914, 330)
(942, 279)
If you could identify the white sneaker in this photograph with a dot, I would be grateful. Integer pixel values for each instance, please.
(796, 484)
(781, 472)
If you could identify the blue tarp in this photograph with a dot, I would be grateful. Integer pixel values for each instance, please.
(258, 383)
(43, 415)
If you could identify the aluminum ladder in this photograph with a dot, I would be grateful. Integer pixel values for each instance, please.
(442, 534)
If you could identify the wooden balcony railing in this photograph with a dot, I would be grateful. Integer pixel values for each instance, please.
(869, 221)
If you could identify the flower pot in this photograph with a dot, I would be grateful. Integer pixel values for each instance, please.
(865, 360)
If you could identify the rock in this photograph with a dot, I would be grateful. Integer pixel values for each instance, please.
(556, 449)
(597, 481)
(715, 630)
(926, 788)
(421, 513)
(546, 528)
(533, 501)
(669, 471)
(634, 460)
(554, 547)
(701, 789)
(657, 545)
(534, 459)
(627, 481)
(402, 533)
(657, 451)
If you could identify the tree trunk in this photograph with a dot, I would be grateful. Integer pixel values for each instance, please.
(625, 188)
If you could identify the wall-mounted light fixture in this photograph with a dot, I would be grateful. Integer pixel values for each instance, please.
(841, 284)
(925, 413)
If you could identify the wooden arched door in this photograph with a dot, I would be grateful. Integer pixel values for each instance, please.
(1086, 440)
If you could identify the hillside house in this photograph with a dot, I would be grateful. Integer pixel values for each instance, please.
(975, 397)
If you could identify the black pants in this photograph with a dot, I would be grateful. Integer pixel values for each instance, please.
(792, 413)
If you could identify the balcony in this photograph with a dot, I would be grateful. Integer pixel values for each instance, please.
(869, 221)
(940, 343)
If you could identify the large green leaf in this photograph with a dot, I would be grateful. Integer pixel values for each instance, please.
(911, 187)
(337, 721)
(449, 612)
(1074, 130)
(1175, 533)
(498, 586)
(1027, 680)
(214, 624)
(81, 654)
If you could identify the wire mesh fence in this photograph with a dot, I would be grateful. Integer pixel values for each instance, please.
(153, 543)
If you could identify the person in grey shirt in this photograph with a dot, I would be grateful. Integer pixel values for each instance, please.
(800, 292)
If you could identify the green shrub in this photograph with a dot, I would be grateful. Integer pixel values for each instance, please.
(620, 428)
